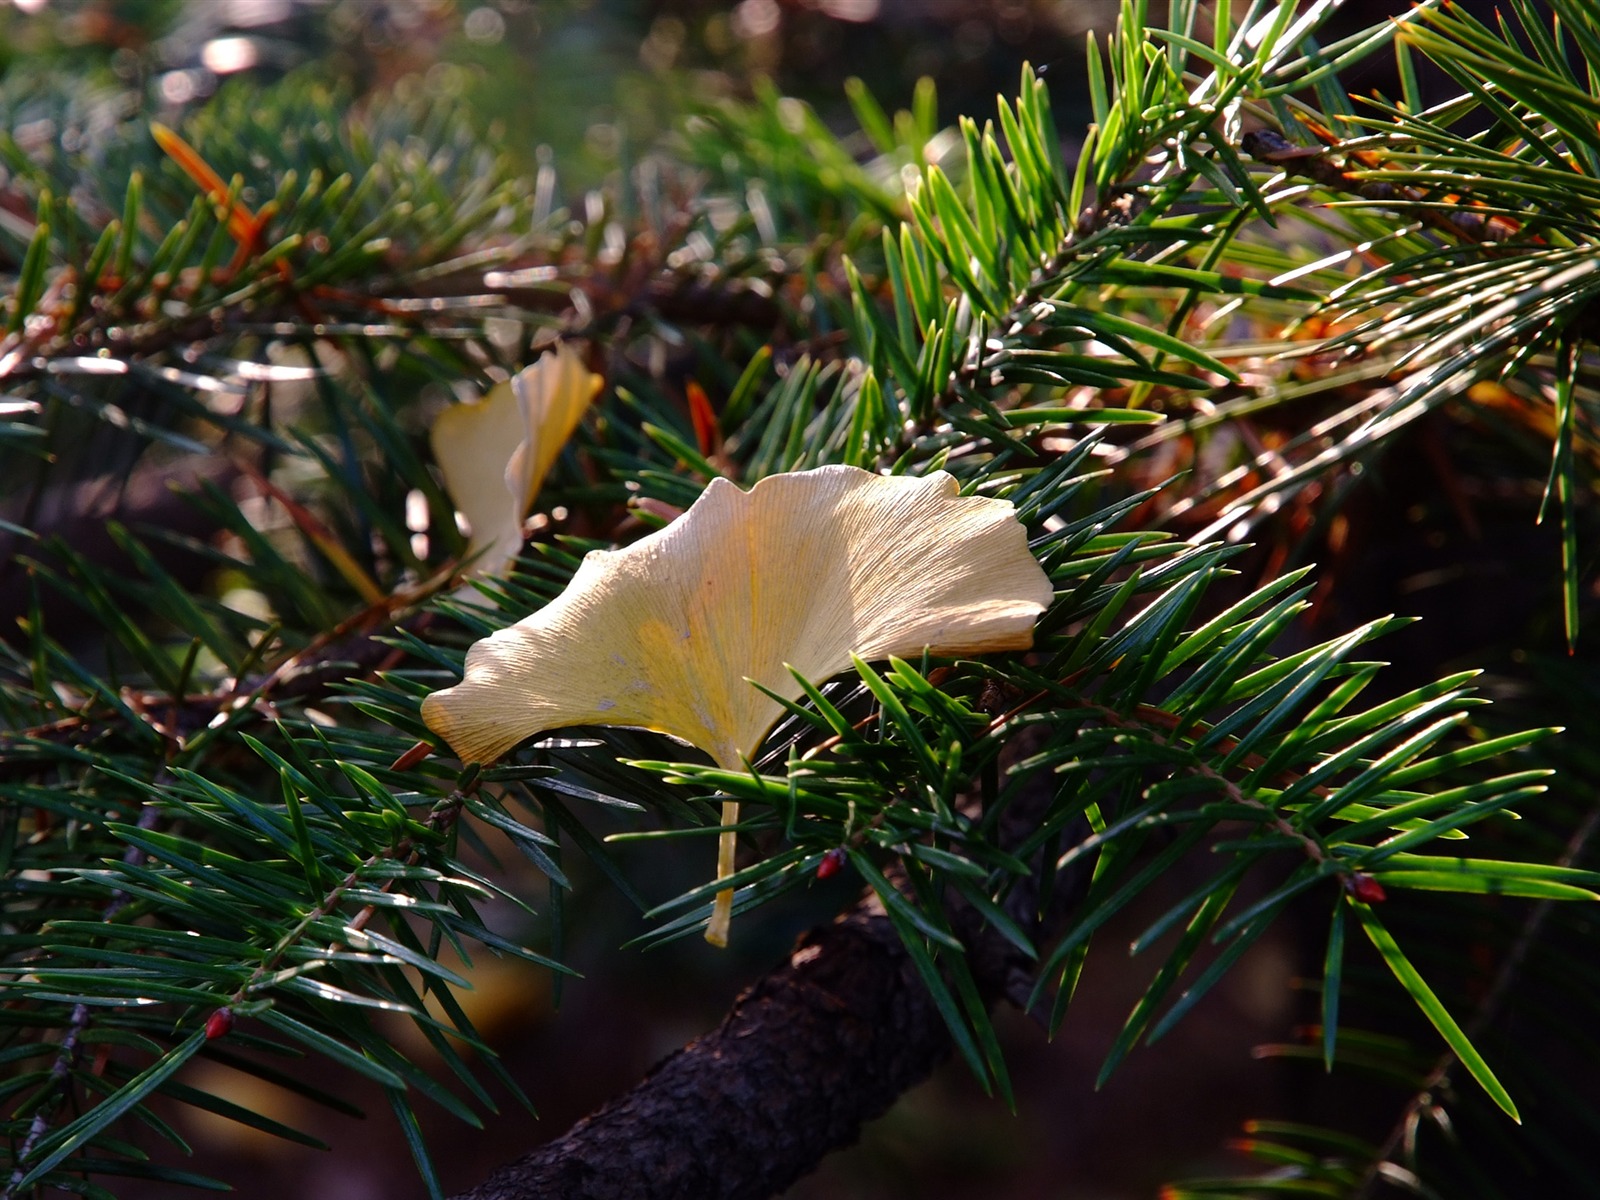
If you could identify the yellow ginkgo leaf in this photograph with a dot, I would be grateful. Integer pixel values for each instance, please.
(496, 452)
(803, 570)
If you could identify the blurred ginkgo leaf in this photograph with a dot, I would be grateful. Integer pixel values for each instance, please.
(496, 452)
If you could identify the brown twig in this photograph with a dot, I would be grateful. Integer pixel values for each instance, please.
(1461, 217)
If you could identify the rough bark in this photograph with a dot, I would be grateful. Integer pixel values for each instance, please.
(805, 1057)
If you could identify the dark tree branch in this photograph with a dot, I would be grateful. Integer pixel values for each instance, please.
(805, 1057)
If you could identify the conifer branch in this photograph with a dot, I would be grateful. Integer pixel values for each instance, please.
(58, 1088)
(1401, 1138)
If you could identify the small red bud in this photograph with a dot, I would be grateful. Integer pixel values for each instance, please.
(831, 862)
(411, 757)
(1365, 888)
(218, 1024)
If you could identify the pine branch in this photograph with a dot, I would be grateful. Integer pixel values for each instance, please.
(1402, 1137)
(1462, 217)
(77, 515)
(356, 649)
(58, 1091)
(1013, 297)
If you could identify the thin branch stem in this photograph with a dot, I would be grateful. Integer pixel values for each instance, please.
(59, 1084)
(442, 816)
